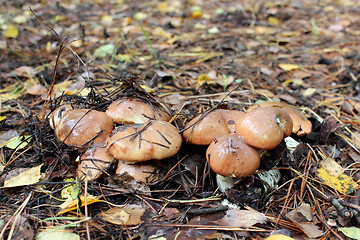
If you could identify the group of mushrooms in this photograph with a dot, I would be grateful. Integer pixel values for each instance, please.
(132, 130)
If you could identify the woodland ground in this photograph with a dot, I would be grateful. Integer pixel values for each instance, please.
(194, 55)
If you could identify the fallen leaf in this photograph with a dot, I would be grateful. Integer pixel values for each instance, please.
(11, 32)
(242, 218)
(20, 19)
(104, 50)
(72, 190)
(351, 232)
(273, 20)
(30, 176)
(332, 167)
(343, 183)
(308, 92)
(18, 142)
(57, 235)
(311, 230)
(70, 204)
(288, 66)
(128, 215)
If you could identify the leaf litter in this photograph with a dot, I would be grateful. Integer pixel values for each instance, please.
(202, 54)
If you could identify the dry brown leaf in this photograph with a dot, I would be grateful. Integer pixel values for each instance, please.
(242, 218)
(332, 167)
(128, 215)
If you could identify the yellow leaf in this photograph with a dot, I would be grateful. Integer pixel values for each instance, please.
(332, 167)
(28, 177)
(11, 32)
(288, 66)
(70, 204)
(197, 14)
(273, 21)
(20, 19)
(2, 118)
(343, 183)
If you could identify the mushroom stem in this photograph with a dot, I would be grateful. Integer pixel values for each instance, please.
(224, 183)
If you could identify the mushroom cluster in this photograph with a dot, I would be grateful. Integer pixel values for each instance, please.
(141, 133)
(235, 137)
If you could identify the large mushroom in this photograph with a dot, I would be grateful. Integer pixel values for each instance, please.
(264, 128)
(301, 125)
(83, 127)
(204, 128)
(229, 156)
(56, 115)
(133, 110)
(152, 140)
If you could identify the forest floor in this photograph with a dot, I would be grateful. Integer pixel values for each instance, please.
(195, 56)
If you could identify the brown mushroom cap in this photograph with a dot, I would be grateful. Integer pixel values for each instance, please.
(301, 125)
(231, 117)
(218, 122)
(153, 140)
(56, 115)
(134, 110)
(142, 172)
(229, 156)
(264, 128)
(92, 163)
(80, 127)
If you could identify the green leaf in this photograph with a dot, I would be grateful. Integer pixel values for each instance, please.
(18, 142)
(351, 232)
(105, 50)
(72, 190)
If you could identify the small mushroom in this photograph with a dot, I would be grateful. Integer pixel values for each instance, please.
(229, 156)
(204, 128)
(142, 172)
(301, 125)
(93, 162)
(152, 140)
(56, 115)
(134, 110)
(80, 127)
(264, 128)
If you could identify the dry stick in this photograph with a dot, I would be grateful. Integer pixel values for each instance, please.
(16, 216)
(286, 201)
(303, 179)
(86, 209)
(323, 220)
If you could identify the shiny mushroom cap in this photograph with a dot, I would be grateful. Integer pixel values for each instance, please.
(264, 128)
(152, 140)
(229, 156)
(56, 115)
(204, 128)
(80, 127)
(93, 162)
(301, 125)
(134, 110)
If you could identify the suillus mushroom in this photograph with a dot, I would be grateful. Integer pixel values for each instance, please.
(56, 115)
(264, 128)
(229, 156)
(151, 140)
(93, 161)
(204, 128)
(81, 127)
(142, 172)
(301, 125)
(134, 110)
